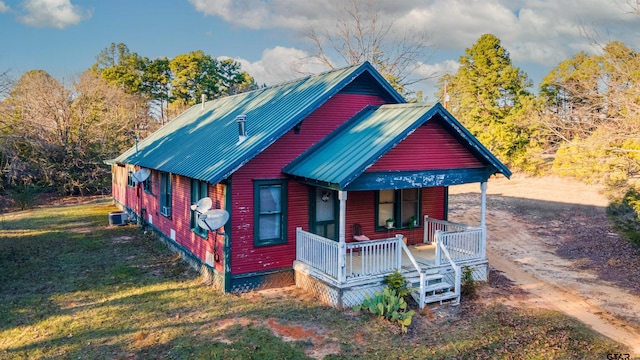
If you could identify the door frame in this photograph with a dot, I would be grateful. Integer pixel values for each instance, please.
(313, 224)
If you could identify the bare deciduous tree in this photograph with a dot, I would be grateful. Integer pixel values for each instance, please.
(362, 34)
(58, 137)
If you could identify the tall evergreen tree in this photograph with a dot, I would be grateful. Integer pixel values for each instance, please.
(490, 97)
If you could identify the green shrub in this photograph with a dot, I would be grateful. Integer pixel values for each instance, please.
(468, 284)
(25, 197)
(625, 214)
(397, 282)
(388, 305)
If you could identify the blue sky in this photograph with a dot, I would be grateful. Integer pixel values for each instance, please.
(63, 37)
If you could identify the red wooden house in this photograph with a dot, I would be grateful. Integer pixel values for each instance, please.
(302, 168)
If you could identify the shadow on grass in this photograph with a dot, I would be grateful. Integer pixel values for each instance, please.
(95, 295)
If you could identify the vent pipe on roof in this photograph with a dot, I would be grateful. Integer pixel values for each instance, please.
(242, 135)
(203, 97)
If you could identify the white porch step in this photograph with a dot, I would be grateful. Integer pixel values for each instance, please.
(429, 279)
(433, 288)
(450, 295)
(436, 293)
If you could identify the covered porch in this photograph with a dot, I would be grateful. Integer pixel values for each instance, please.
(343, 272)
(407, 156)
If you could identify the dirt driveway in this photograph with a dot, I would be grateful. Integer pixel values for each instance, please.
(551, 237)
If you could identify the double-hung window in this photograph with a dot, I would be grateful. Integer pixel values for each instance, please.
(165, 194)
(199, 190)
(130, 182)
(402, 206)
(270, 212)
(146, 185)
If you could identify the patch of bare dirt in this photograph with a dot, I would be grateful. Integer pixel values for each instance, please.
(551, 238)
(321, 344)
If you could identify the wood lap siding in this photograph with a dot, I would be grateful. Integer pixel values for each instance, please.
(429, 147)
(267, 165)
(361, 209)
(180, 212)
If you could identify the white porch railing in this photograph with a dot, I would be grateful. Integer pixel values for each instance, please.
(318, 252)
(463, 242)
(433, 225)
(373, 257)
(362, 259)
(462, 245)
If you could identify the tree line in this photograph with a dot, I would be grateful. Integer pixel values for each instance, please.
(584, 120)
(55, 135)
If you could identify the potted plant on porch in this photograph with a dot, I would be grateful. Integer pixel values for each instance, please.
(390, 223)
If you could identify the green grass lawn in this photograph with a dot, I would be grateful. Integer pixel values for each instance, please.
(72, 287)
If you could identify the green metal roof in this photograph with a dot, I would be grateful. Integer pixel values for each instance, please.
(202, 143)
(347, 152)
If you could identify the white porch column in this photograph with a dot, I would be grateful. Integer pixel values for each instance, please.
(342, 246)
(483, 216)
(483, 204)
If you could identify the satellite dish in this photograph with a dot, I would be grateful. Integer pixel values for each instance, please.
(203, 205)
(140, 175)
(213, 219)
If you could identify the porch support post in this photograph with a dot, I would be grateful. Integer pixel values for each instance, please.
(483, 203)
(342, 246)
(483, 222)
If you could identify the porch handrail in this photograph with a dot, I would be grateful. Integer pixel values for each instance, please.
(374, 256)
(432, 225)
(318, 252)
(420, 271)
(456, 269)
(461, 245)
(410, 256)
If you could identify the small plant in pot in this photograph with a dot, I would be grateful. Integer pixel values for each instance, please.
(390, 223)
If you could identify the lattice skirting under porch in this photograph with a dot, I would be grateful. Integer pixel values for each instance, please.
(333, 295)
(346, 297)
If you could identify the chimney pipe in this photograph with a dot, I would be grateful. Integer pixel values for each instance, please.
(242, 134)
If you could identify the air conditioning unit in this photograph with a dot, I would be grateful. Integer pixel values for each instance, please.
(165, 210)
(118, 218)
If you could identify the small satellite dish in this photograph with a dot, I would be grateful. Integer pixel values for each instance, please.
(203, 205)
(213, 219)
(140, 175)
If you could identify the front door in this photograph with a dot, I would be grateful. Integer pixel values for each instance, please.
(324, 213)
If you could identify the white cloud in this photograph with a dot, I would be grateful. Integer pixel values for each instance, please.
(290, 14)
(4, 7)
(534, 31)
(280, 64)
(431, 73)
(52, 13)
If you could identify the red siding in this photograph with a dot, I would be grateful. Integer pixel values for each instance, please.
(137, 198)
(267, 165)
(429, 147)
(361, 209)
